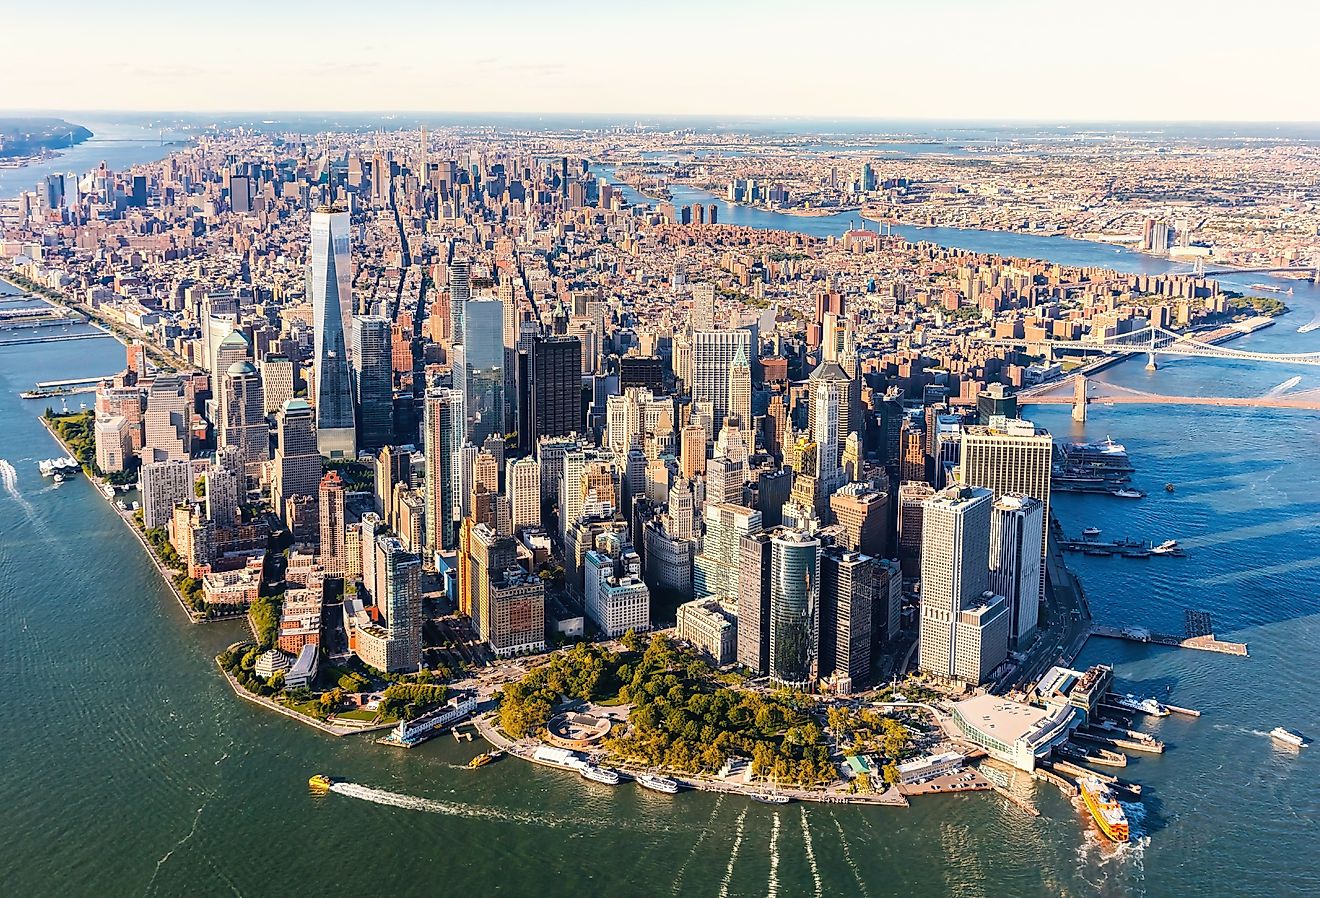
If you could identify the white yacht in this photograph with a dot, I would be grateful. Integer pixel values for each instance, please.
(1287, 737)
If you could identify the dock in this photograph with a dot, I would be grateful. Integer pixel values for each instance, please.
(1206, 643)
(1127, 548)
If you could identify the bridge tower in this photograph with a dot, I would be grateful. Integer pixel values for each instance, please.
(1150, 356)
(1079, 398)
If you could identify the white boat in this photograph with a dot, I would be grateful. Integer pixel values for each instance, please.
(1168, 547)
(1287, 737)
(770, 797)
(1091, 531)
(1126, 493)
(60, 478)
(600, 774)
(658, 783)
(1141, 705)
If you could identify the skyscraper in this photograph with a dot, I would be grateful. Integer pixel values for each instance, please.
(333, 525)
(847, 596)
(862, 514)
(794, 608)
(754, 602)
(332, 317)
(964, 626)
(522, 481)
(912, 497)
(551, 391)
(398, 595)
(480, 368)
(1015, 560)
(244, 425)
(715, 569)
(1015, 460)
(372, 391)
(740, 389)
(460, 290)
(441, 426)
(297, 469)
(713, 353)
(167, 420)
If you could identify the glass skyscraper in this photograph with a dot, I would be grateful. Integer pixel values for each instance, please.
(372, 381)
(481, 372)
(794, 600)
(443, 413)
(332, 318)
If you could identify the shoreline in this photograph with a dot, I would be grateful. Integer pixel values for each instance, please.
(193, 616)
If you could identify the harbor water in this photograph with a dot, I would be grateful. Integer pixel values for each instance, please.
(131, 769)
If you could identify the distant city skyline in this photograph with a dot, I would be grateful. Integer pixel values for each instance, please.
(947, 59)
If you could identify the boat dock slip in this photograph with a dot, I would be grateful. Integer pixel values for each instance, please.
(1203, 643)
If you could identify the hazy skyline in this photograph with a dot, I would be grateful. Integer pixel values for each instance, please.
(942, 59)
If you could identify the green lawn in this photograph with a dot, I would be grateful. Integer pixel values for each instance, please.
(363, 714)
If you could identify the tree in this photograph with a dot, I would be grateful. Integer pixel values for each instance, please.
(890, 772)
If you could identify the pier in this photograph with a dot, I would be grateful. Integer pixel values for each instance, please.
(1128, 548)
(1207, 643)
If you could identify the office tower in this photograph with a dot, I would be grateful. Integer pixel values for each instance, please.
(862, 514)
(372, 381)
(244, 425)
(868, 178)
(740, 389)
(1015, 560)
(479, 368)
(680, 519)
(773, 489)
(164, 483)
(516, 610)
(334, 549)
(692, 448)
(276, 381)
(887, 609)
(964, 626)
(912, 464)
(713, 353)
(410, 518)
(775, 426)
(552, 391)
(114, 445)
(332, 320)
(847, 596)
(614, 595)
(168, 435)
(393, 466)
(1015, 460)
(398, 597)
(224, 493)
(233, 348)
(522, 480)
(754, 602)
(460, 290)
(703, 307)
(794, 608)
(832, 413)
(370, 527)
(715, 569)
(483, 487)
(995, 400)
(297, 469)
(441, 434)
(482, 554)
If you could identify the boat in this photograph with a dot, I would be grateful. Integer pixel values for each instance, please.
(770, 797)
(1168, 547)
(1270, 288)
(481, 760)
(1127, 493)
(1107, 813)
(1091, 531)
(60, 478)
(320, 783)
(658, 783)
(1287, 737)
(1168, 487)
(1130, 702)
(600, 774)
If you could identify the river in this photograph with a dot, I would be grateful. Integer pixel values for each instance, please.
(131, 769)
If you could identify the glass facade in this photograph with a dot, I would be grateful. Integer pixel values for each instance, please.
(332, 315)
(794, 601)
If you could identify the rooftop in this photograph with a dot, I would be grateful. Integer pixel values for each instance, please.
(1005, 720)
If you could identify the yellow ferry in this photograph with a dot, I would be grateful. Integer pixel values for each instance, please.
(1108, 813)
(320, 783)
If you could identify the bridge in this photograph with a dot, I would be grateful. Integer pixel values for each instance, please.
(1153, 341)
(1078, 391)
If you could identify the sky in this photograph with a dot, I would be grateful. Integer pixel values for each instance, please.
(1055, 60)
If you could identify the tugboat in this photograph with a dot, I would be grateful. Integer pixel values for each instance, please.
(658, 783)
(320, 783)
(1287, 737)
(1107, 812)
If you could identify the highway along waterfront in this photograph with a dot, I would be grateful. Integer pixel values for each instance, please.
(131, 768)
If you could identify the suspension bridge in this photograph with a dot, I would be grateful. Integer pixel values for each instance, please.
(1153, 341)
(1079, 391)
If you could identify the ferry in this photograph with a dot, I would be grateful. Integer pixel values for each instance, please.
(320, 783)
(1127, 493)
(600, 774)
(658, 783)
(1287, 737)
(1168, 547)
(1090, 532)
(1107, 812)
(481, 760)
(1270, 288)
(1130, 702)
